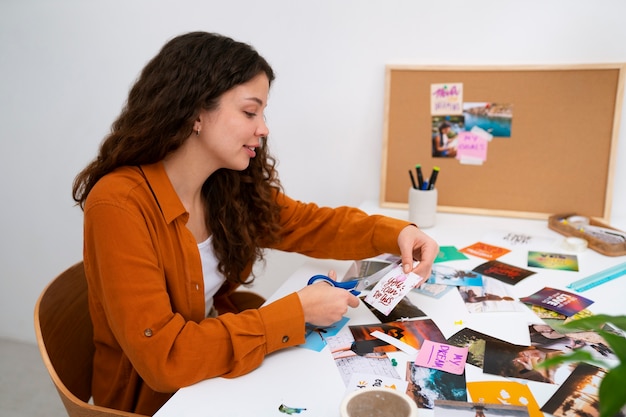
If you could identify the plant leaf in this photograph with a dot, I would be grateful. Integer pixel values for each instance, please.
(596, 322)
(611, 391)
(617, 344)
(577, 355)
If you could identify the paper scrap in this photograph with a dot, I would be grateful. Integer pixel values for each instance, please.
(406, 348)
(361, 380)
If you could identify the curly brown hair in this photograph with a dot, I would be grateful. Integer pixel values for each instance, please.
(190, 74)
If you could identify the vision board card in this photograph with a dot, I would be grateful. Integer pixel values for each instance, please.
(504, 272)
(485, 250)
(563, 302)
(549, 260)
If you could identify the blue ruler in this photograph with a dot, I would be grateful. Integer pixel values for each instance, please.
(599, 278)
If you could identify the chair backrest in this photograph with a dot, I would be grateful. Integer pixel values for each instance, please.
(65, 338)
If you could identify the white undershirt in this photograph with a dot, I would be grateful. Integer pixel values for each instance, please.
(213, 280)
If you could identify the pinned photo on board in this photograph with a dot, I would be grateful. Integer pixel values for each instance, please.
(445, 130)
(494, 118)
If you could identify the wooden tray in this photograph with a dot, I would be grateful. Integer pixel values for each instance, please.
(559, 223)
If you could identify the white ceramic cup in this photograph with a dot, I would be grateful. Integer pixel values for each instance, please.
(378, 402)
(423, 207)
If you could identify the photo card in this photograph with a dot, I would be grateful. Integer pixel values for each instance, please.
(504, 272)
(485, 250)
(405, 309)
(457, 408)
(447, 275)
(578, 394)
(449, 253)
(550, 260)
(587, 341)
(561, 301)
(315, 336)
(475, 343)
(427, 385)
(411, 332)
(492, 296)
(433, 290)
(504, 392)
(515, 361)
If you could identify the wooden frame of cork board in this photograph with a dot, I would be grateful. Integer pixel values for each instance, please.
(560, 154)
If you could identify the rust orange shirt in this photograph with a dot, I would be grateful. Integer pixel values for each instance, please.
(146, 290)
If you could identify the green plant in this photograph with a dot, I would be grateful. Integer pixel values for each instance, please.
(611, 391)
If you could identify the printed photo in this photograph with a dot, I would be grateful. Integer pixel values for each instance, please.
(433, 290)
(494, 118)
(445, 130)
(588, 341)
(427, 385)
(485, 250)
(493, 295)
(475, 343)
(506, 273)
(509, 360)
(315, 336)
(405, 309)
(558, 261)
(446, 275)
(563, 302)
(505, 392)
(578, 395)
(351, 364)
(411, 332)
(464, 409)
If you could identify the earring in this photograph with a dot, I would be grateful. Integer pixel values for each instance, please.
(198, 132)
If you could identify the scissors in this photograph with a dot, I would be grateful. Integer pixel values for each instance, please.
(356, 285)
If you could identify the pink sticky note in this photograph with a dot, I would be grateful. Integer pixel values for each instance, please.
(440, 356)
(471, 145)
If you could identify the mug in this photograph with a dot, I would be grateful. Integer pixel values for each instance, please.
(422, 207)
(378, 402)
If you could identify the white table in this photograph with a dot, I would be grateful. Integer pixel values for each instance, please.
(299, 377)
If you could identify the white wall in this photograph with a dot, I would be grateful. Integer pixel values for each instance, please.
(66, 66)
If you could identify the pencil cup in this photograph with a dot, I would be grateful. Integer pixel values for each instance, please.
(422, 207)
(378, 402)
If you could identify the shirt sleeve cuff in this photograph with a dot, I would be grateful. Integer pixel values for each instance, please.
(284, 323)
(386, 234)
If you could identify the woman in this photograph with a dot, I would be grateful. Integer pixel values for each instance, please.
(442, 144)
(179, 203)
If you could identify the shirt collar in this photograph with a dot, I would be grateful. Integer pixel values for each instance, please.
(164, 192)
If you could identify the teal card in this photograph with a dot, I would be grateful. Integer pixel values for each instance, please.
(449, 253)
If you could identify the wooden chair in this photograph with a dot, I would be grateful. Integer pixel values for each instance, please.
(65, 338)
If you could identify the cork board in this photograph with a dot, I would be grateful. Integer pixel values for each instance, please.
(559, 156)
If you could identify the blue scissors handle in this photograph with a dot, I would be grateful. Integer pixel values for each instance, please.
(347, 285)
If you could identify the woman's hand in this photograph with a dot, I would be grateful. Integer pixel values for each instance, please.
(324, 304)
(417, 245)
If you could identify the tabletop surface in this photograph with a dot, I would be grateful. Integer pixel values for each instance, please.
(299, 377)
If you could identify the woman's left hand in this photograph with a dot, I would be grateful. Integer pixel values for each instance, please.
(416, 245)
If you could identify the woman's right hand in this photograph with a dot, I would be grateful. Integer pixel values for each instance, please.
(324, 304)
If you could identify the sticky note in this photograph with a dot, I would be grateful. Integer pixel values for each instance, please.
(443, 357)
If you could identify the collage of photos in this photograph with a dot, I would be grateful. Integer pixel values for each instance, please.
(463, 130)
(408, 351)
